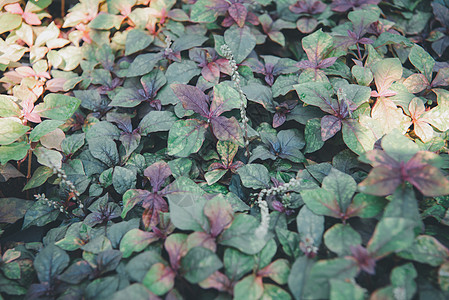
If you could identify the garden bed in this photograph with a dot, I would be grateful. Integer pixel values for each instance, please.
(214, 149)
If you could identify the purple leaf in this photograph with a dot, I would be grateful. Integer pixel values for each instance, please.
(130, 141)
(327, 62)
(345, 5)
(269, 78)
(308, 7)
(157, 173)
(217, 281)
(123, 121)
(238, 12)
(192, 98)
(211, 72)
(365, 41)
(381, 182)
(279, 119)
(202, 239)
(306, 64)
(330, 125)
(153, 204)
(381, 158)
(227, 129)
(219, 213)
(176, 246)
(306, 24)
(255, 65)
(426, 178)
(364, 259)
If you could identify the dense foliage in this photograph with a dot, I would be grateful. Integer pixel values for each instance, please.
(219, 149)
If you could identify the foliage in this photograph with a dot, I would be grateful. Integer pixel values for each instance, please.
(224, 149)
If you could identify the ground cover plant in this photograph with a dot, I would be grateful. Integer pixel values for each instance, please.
(224, 149)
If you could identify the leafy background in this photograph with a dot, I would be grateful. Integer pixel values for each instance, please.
(224, 149)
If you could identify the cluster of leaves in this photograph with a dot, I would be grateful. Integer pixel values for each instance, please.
(127, 119)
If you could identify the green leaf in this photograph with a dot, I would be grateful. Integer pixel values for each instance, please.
(202, 13)
(40, 176)
(315, 93)
(189, 217)
(13, 209)
(366, 206)
(50, 262)
(254, 176)
(357, 137)
(214, 175)
(11, 287)
(134, 291)
(47, 157)
(136, 240)
(137, 40)
(199, 263)
(72, 143)
(143, 64)
(299, 274)
(422, 61)
(289, 241)
(237, 263)
(102, 130)
(339, 238)
(104, 150)
(310, 227)
(364, 76)
(312, 134)
(399, 147)
(156, 121)
(186, 137)
(39, 214)
(388, 38)
(139, 265)
(391, 235)
(43, 128)
(57, 107)
(123, 179)
(321, 202)
(342, 185)
(14, 151)
(277, 271)
(318, 281)
(183, 192)
(8, 106)
(105, 21)
(317, 45)
(427, 250)
(225, 99)
(271, 291)
(102, 288)
(443, 276)
(241, 42)
(9, 21)
(179, 72)
(160, 279)
(403, 278)
(250, 287)
(11, 129)
(342, 290)
(180, 167)
(403, 204)
(354, 93)
(241, 235)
